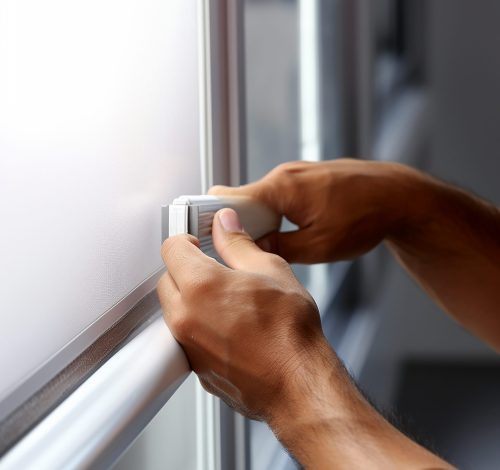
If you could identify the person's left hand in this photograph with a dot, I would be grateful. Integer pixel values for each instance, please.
(250, 330)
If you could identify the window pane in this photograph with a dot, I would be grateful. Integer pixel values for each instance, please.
(98, 128)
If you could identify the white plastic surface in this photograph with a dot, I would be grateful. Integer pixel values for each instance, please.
(98, 127)
(110, 408)
(257, 219)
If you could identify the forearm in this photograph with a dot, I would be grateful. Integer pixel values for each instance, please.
(449, 241)
(327, 424)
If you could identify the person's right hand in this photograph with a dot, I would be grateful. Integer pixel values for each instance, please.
(343, 208)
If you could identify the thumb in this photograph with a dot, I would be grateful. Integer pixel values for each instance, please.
(234, 245)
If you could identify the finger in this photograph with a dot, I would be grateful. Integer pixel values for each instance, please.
(243, 190)
(267, 243)
(168, 293)
(236, 247)
(263, 191)
(291, 246)
(185, 262)
(221, 190)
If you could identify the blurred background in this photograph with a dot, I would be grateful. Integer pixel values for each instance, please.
(408, 80)
(414, 81)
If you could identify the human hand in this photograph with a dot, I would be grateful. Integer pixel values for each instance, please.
(343, 208)
(253, 336)
(248, 328)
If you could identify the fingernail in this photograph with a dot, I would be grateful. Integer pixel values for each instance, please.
(230, 221)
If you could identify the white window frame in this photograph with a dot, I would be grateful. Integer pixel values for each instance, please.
(93, 418)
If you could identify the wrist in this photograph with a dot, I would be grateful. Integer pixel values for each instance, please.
(319, 404)
(408, 199)
(325, 422)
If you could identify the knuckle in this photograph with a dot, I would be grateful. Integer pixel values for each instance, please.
(288, 169)
(188, 238)
(181, 326)
(218, 189)
(277, 262)
(166, 248)
(286, 177)
(173, 244)
(198, 286)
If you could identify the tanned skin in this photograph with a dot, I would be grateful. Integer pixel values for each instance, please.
(253, 335)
